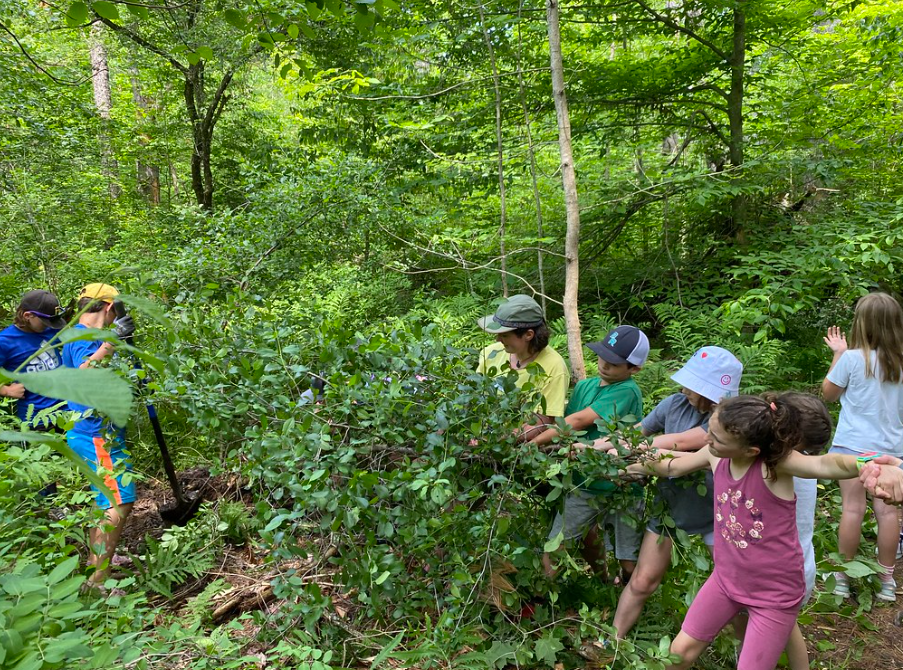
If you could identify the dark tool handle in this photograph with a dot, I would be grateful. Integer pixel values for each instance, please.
(164, 451)
(168, 466)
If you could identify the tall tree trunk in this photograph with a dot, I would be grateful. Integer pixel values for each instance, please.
(203, 119)
(572, 208)
(735, 115)
(103, 101)
(148, 175)
(500, 151)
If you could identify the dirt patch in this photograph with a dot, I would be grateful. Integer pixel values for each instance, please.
(837, 641)
(153, 496)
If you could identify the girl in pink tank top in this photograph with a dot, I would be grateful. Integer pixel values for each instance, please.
(758, 559)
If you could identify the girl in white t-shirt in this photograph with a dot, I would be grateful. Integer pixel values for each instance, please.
(867, 378)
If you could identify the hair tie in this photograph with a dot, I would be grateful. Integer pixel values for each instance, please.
(774, 408)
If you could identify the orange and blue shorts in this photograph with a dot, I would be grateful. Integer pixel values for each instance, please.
(110, 459)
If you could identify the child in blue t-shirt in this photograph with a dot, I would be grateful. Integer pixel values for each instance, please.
(38, 320)
(95, 438)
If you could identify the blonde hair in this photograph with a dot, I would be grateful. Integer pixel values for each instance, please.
(878, 327)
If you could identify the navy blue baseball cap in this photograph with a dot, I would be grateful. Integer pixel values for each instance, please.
(624, 344)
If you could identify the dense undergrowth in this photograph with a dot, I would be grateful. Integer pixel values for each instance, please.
(402, 485)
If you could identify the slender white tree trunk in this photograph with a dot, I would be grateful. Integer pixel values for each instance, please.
(103, 101)
(572, 208)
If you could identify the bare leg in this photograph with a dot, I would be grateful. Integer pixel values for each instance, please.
(104, 541)
(797, 654)
(888, 531)
(688, 648)
(547, 566)
(594, 552)
(654, 559)
(854, 505)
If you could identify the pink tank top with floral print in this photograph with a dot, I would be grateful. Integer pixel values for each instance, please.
(758, 559)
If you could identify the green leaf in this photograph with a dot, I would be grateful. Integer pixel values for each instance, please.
(205, 52)
(499, 654)
(292, 30)
(308, 32)
(63, 570)
(106, 10)
(101, 389)
(313, 11)
(363, 21)
(138, 11)
(77, 14)
(856, 569)
(383, 655)
(547, 648)
(236, 18)
(554, 543)
(193, 57)
(383, 577)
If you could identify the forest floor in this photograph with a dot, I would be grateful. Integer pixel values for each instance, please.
(835, 642)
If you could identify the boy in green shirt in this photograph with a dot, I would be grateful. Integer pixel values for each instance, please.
(610, 396)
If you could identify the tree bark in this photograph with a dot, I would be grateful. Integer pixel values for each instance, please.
(571, 204)
(103, 101)
(203, 116)
(148, 175)
(203, 119)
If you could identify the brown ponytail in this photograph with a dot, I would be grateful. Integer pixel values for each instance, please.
(816, 425)
(771, 425)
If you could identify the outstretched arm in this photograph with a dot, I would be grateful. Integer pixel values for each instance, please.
(828, 466)
(578, 421)
(663, 464)
(689, 440)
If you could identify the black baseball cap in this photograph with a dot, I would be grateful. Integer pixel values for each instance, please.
(624, 344)
(45, 306)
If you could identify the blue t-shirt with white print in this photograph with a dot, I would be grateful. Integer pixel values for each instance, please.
(74, 354)
(18, 347)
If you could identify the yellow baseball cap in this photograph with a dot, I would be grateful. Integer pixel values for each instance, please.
(103, 292)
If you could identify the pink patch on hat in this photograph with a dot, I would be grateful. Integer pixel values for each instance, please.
(725, 380)
(704, 354)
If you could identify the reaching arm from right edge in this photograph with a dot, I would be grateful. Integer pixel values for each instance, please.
(883, 478)
(663, 464)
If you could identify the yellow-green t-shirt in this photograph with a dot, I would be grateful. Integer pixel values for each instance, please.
(553, 385)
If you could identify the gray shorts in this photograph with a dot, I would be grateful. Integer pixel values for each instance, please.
(582, 509)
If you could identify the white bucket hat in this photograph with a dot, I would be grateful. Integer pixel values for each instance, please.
(712, 372)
